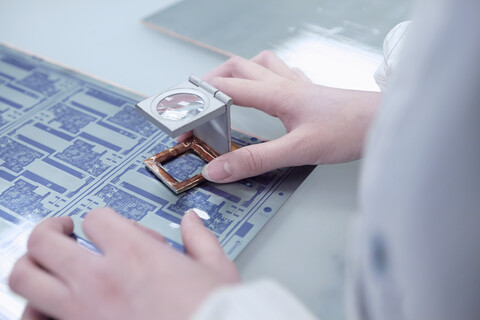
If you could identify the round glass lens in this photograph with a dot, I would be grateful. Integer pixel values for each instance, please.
(180, 106)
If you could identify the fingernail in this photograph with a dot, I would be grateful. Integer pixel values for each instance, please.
(217, 170)
(190, 214)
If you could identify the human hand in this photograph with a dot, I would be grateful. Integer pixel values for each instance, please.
(138, 276)
(324, 125)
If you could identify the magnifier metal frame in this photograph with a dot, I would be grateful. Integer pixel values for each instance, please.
(211, 129)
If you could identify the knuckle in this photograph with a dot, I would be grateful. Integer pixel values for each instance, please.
(286, 101)
(265, 56)
(282, 101)
(133, 250)
(235, 62)
(102, 271)
(108, 286)
(108, 283)
(253, 160)
(228, 270)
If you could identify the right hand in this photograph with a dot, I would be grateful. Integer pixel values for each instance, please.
(324, 125)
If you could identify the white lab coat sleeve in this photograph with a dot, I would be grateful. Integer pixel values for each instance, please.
(261, 299)
(420, 181)
(392, 46)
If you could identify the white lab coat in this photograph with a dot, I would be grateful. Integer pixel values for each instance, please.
(417, 251)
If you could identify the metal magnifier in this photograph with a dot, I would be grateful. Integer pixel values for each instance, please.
(193, 106)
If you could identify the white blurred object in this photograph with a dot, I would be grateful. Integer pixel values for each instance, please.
(331, 61)
(392, 47)
(13, 244)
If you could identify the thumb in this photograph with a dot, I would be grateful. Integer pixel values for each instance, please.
(255, 159)
(200, 243)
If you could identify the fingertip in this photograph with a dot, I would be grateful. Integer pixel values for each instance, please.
(192, 226)
(216, 81)
(96, 217)
(102, 210)
(66, 224)
(191, 217)
(190, 221)
(98, 212)
(200, 243)
(17, 274)
(57, 224)
(205, 173)
(217, 170)
(106, 229)
(183, 136)
(208, 76)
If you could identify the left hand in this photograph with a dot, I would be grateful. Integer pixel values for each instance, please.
(138, 276)
(323, 124)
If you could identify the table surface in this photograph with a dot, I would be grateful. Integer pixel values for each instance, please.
(304, 244)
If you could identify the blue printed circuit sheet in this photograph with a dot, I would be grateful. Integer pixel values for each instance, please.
(70, 143)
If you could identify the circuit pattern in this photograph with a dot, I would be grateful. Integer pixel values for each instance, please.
(70, 143)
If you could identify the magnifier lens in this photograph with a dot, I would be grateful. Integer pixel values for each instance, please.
(180, 106)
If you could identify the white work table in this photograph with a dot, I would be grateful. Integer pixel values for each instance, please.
(304, 244)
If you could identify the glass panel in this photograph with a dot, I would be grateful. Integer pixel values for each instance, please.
(180, 106)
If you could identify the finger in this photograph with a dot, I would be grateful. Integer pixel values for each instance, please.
(183, 136)
(111, 232)
(301, 75)
(238, 67)
(272, 62)
(200, 243)
(152, 233)
(106, 228)
(270, 98)
(51, 246)
(44, 292)
(31, 313)
(254, 160)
